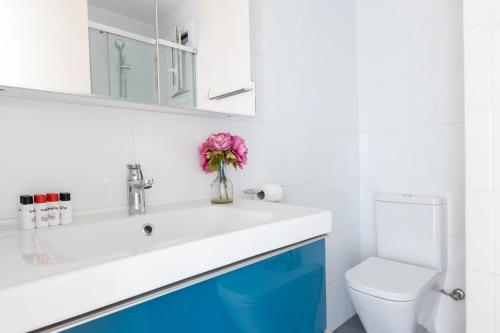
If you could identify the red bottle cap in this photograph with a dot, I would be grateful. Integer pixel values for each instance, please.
(52, 197)
(40, 198)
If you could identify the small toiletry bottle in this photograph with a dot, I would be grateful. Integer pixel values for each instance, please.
(53, 209)
(65, 208)
(26, 212)
(42, 219)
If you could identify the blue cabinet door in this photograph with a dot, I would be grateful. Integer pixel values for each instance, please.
(282, 294)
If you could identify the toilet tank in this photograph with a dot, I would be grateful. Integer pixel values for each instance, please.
(410, 229)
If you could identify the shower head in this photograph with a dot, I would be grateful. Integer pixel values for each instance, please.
(119, 44)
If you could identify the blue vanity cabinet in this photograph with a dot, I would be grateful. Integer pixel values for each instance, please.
(285, 293)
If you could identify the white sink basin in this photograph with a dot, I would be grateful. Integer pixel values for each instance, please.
(104, 258)
(125, 235)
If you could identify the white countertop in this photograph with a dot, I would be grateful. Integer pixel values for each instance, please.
(52, 274)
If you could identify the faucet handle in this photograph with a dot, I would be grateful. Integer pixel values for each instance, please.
(148, 183)
(142, 183)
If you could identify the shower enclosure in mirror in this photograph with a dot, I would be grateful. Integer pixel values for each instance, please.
(177, 68)
(123, 53)
(122, 49)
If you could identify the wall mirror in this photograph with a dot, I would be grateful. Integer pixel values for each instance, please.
(122, 49)
(193, 54)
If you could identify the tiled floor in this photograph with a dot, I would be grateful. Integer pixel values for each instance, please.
(353, 325)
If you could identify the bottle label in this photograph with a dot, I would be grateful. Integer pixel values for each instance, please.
(27, 217)
(45, 214)
(53, 214)
(41, 213)
(66, 213)
(52, 211)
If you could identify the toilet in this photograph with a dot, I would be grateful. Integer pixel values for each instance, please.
(398, 290)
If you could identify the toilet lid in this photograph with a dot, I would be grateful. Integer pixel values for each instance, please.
(390, 279)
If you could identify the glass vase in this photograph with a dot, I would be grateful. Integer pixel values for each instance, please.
(222, 187)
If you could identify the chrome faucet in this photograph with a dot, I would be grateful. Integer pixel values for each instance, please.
(136, 184)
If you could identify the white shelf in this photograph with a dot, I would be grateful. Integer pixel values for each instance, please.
(42, 95)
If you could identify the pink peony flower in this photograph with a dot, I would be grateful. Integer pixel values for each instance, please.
(220, 141)
(240, 150)
(222, 147)
(204, 152)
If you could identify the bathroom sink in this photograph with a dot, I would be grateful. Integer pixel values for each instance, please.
(130, 235)
(108, 257)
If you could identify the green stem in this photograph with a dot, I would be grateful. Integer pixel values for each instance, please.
(223, 182)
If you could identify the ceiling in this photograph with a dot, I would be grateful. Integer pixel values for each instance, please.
(140, 10)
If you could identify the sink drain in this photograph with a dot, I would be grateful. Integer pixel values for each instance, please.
(147, 229)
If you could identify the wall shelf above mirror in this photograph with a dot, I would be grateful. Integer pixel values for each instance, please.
(186, 54)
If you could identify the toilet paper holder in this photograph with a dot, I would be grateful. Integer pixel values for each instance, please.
(266, 192)
(255, 191)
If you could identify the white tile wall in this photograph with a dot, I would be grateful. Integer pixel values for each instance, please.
(478, 52)
(477, 12)
(393, 103)
(345, 244)
(478, 144)
(353, 98)
(339, 303)
(368, 240)
(482, 45)
(449, 94)
(448, 37)
(395, 52)
(51, 147)
(305, 135)
(378, 17)
(279, 24)
(328, 93)
(480, 302)
(411, 119)
(480, 234)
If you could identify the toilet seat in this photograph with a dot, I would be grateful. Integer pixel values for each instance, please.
(390, 280)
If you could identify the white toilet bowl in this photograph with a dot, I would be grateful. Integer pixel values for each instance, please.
(392, 297)
(398, 290)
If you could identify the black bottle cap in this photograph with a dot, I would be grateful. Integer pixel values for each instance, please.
(64, 196)
(26, 199)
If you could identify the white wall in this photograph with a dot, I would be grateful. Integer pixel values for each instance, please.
(482, 75)
(45, 45)
(411, 118)
(305, 135)
(120, 21)
(311, 65)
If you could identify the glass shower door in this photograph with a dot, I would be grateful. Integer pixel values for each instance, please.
(177, 77)
(122, 68)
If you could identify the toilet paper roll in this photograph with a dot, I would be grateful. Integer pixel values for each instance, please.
(270, 192)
